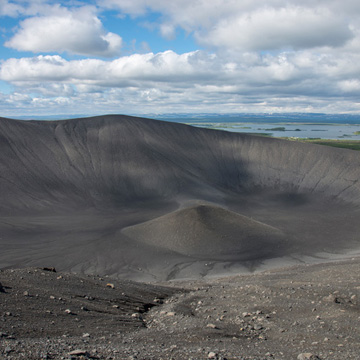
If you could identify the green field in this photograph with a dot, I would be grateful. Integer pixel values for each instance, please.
(346, 144)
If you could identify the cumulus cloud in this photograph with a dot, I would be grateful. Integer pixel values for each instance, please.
(75, 31)
(257, 56)
(162, 67)
(272, 29)
(253, 25)
(195, 75)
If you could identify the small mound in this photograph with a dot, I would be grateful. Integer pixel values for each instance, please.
(205, 231)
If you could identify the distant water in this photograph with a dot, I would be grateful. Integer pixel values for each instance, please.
(297, 125)
(313, 126)
(310, 131)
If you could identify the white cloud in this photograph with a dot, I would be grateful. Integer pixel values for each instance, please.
(253, 25)
(162, 67)
(273, 29)
(195, 81)
(19, 98)
(265, 55)
(35, 69)
(16, 8)
(247, 24)
(350, 86)
(75, 31)
(167, 31)
(9, 9)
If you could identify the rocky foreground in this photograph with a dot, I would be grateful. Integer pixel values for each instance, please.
(303, 312)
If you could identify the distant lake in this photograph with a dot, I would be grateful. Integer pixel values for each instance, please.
(297, 125)
(297, 130)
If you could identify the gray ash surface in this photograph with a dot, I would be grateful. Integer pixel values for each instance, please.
(278, 314)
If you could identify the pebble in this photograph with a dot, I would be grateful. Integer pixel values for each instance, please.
(212, 326)
(212, 355)
(307, 356)
(331, 298)
(79, 352)
(51, 269)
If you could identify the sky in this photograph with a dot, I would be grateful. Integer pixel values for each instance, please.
(181, 56)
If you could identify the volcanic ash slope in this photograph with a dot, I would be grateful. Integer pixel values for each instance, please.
(115, 195)
(210, 232)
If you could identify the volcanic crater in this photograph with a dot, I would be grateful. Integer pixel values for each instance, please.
(152, 200)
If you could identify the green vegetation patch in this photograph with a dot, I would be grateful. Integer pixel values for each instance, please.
(258, 133)
(280, 128)
(345, 144)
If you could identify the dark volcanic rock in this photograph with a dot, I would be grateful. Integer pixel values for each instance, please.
(61, 312)
(268, 315)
